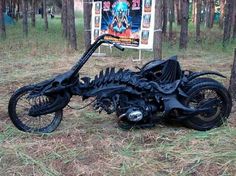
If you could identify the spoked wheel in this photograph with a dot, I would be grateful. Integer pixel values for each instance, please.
(211, 95)
(18, 110)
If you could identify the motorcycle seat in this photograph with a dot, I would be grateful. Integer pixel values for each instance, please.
(162, 71)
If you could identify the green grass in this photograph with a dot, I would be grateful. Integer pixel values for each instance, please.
(87, 143)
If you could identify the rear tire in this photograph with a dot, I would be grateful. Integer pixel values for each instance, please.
(203, 92)
(18, 108)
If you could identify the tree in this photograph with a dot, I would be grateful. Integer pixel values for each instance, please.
(87, 4)
(203, 17)
(64, 18)
(18, 9)
(232, 84)
(45, 16)
(171, 18)
(33, 6)
(234, 23)
(228, 21)
(165, 13)
(184, 24)
(210, 10)
(198, 19)
(194, 11)
(157, 46)
(71, 24)
(2, 22)
(25, 17)
(222, 11)
(177, 11)
(41, 9)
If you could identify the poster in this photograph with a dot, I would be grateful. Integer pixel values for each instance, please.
(131, 20)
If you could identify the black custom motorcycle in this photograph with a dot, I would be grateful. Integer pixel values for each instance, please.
(159, 90)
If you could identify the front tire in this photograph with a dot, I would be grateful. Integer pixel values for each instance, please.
(18, 109)
(200, 96)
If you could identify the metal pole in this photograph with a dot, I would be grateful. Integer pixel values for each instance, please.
(139, 56)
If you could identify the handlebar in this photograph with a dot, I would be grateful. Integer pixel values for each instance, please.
(102, 38)
(118, 46)
(106, 35)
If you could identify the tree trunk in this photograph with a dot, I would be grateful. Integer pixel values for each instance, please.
(68, 22)
(234, 31)
(171, 18)
(71, 21)
(207, 12)
(157, 45)
(203, 16)
(2, 22)
(25, 17)
(64, 18)
(42, 11)
(12, 8)
(198, 20)
(87, 4)
(165, 13)
(227, 21)
(33, 12)
(234, 23)
(194, 11)
(210, 11)
(177, 12)
(4, 6)
(18, 10)
(184, 24)
(45, 14)
(222, 11)
(9, 4)
(232, 84)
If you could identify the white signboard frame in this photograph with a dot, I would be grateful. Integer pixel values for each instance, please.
(146, 31)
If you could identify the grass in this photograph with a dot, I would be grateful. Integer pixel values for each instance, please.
(87, 143)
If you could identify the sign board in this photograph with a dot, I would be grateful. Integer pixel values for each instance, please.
(131, 20)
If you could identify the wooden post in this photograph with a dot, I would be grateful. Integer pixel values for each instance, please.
(232, 84)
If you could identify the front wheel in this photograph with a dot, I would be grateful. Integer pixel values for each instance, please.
(211, 95)
(18, 110)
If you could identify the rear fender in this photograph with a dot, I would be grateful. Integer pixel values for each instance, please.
(198, 74)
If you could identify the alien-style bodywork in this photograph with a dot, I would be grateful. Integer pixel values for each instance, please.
(159, 90)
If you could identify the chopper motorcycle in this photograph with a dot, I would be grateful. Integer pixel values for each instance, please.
(159, 90)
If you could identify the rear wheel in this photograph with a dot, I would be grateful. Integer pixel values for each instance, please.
(212, 95)
(18, 110)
